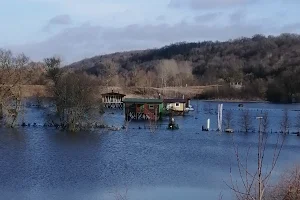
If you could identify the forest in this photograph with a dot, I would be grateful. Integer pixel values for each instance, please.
(266, 66)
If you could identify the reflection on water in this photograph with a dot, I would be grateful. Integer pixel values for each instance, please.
(38, 163)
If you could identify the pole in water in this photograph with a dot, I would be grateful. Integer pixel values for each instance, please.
(208, 124)
(220, 118)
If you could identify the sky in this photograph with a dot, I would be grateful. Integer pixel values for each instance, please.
(78, 29)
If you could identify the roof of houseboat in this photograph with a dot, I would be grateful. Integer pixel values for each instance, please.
(140, 100)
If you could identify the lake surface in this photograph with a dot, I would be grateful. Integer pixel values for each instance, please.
(38, 163)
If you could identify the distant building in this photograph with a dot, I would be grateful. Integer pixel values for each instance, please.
(113, 99)
(143, 109)
(236, 85)
(177, 106)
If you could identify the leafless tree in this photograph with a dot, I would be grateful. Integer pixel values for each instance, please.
(53, 65)
(121, 196)
(166, 69)
(76, 100)
(74, 95)
(111, 73)
(288, 187)
(285, 122)
(246, 121)
(12, 77)
(228, 119)
(298, 122)
(254, 183)
(265, 122)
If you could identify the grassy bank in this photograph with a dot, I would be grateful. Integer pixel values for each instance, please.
(131, 92)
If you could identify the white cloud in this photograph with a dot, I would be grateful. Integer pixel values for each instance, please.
(84, 41)
(88, 8)
(60, 20)
(207, 17)
(207, 4)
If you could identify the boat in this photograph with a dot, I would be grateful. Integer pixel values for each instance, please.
(173, 126)
(229, 130)
(189, 108)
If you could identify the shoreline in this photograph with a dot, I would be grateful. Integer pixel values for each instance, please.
(234, 101)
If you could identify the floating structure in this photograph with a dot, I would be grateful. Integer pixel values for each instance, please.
(178, 106)
(113, 100)
(229, 130)
(143, 109)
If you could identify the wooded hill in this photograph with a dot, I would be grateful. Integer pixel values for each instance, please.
(268, 67)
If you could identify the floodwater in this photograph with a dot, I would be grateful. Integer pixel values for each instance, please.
(141, 164)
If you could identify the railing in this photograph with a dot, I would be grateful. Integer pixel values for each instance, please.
(149, 113)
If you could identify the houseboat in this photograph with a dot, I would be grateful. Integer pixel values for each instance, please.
(176, 106)
(143, 109)
(113, 100)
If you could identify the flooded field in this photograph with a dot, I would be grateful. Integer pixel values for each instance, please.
(45, 163)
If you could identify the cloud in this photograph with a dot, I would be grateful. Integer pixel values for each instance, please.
(59, 20)
(207, 4)
(161, 18)
(87, 8)
(207, 17)
(237, 16)
(83, 41)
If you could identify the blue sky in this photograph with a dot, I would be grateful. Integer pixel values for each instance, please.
(76, 29)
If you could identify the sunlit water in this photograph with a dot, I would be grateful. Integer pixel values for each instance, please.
(38, 163)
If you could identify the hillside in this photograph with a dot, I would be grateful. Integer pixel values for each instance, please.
(268, 67)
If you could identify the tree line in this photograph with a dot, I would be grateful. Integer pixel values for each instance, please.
(75, 94)
(267, 67)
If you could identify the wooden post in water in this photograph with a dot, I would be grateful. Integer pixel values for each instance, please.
(1, 111)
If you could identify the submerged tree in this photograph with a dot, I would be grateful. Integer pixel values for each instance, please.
(285, 122)
(75, 100)
(265, 122)
(288, 187)
(253, 183)
(12, 76)
(74, 96)
(298, 122)
(246, 121)
(228, 119)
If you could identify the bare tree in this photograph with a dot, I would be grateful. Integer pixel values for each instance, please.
(12, 76)
(111, 73)
(246, 121)
(121, 196)
(298, 122)
(265, 122)
(254, 183)
(76, 100)
(166, 69)
(53, 65)
(228, 119)
(74, 95)
(285, 122)
(288, 187)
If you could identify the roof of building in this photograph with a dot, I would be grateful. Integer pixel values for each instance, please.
(113, 93)
(137, 100)
(175, 100)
